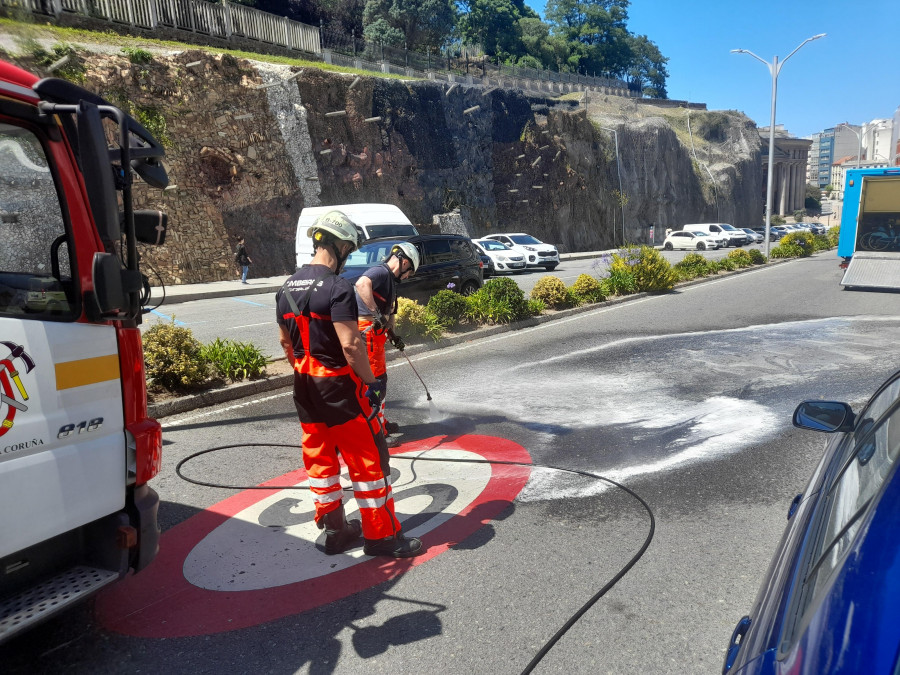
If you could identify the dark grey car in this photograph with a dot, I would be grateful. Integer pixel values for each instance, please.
(448, 261)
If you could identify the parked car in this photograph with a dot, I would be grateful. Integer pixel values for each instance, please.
(448, 261)
(830, 602)
(776, 232)
(755, 237)
(502, 258)
(701, 241)
(816, 228)
(735, 237)
(536, 252)
(487, 265)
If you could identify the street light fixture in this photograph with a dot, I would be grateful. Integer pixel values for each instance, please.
(619, 174)
(774, 70)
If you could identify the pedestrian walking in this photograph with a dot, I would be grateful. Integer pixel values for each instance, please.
(376, 295)
(337, 397)
(242, 259)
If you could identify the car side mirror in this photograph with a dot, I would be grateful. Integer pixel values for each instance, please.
(108, 298)
(827, 416)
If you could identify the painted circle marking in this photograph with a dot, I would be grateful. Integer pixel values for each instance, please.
(254, 558)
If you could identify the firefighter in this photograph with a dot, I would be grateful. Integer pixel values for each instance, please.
(376, 295)
(334, 393)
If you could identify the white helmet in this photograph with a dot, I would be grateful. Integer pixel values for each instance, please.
(406, 250)
(337, 225)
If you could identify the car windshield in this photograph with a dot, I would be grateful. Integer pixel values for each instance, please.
(727, 227)
(699, 234)
(524, 239)
(491, 245)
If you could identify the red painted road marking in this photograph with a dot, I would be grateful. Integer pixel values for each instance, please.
(161, 602)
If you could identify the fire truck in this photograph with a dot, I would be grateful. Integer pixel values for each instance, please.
(76, 445)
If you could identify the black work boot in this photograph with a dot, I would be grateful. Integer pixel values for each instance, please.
(391, 428)
(339, 532)
(395, 547)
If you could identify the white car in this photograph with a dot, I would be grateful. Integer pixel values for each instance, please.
(700, 241)
(536, 252)
(755, 237)
(502, 256)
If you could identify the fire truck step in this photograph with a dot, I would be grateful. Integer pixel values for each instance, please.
(45, 599)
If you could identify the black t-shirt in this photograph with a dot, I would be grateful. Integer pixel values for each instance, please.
(332, 299)
(384, 290)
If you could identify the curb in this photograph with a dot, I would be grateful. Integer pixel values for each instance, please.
(242, 389)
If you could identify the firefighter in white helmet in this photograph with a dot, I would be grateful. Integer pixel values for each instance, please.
(376, 293)
(336, 396)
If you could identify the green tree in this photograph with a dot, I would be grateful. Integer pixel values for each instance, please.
(647, 71)
(596, 31)
(813, 197)
(417, 23)
(494, 26)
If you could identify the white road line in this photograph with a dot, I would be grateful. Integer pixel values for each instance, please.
(251, 325)
(185, 420)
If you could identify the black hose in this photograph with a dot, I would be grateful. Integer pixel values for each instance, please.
(542, 652)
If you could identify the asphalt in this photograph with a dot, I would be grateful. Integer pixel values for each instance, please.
(238, 390)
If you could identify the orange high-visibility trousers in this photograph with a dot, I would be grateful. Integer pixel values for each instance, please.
(375, 341)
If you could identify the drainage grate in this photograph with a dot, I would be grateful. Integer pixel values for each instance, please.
(53, 595)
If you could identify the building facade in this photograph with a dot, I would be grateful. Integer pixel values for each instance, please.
(790, 156)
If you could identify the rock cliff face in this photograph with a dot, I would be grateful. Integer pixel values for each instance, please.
(249, 145)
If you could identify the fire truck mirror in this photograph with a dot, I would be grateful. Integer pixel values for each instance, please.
(151, 170)
(108, 296)
(98, 173)
(150, 226)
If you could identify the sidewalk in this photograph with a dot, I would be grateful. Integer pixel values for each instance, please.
(222, 289)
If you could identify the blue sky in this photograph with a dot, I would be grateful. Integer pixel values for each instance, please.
(852, 75)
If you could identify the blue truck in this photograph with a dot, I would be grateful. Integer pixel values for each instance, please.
(869, 243)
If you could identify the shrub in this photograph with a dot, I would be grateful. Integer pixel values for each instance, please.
(787, 251)
(741, 257)
(234, 360)
(137, 55)
(587, 289)
(776, 220)
(693, 265)
(500, 300)
(647, 268)
(172, 357)
(536, 307)
(803, 242)
(726, 265)
(410, 317)
(821, 242)
(551, 291)
(756, 256)
(447, 307)
(833, 235)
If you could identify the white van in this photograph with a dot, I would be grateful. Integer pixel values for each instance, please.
(733, 235)
(373, 220)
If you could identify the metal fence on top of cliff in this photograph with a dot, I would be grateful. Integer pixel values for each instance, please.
(228, 21)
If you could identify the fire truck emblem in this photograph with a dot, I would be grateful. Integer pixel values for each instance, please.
(11, 384)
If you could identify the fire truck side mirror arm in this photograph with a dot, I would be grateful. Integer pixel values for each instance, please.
(97, 172)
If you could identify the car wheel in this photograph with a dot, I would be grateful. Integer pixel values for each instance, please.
(469, 288)
(701, 246)
(668, 246)
(550, 268)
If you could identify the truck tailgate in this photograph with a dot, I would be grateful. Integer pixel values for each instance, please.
(870, 269)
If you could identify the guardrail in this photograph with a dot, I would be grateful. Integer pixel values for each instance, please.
(228, 21)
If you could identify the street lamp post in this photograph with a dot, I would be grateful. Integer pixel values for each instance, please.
(619, 174)
(774, 70)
